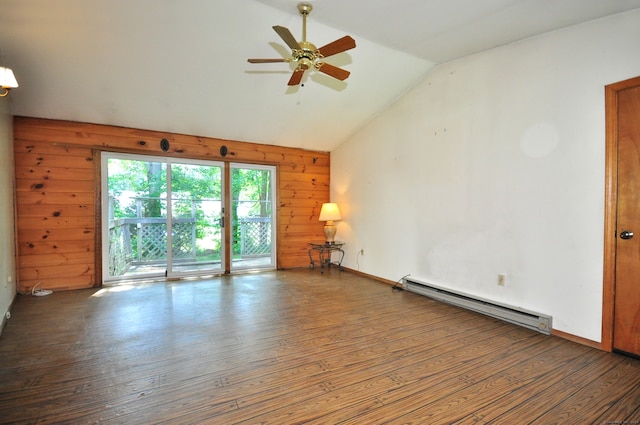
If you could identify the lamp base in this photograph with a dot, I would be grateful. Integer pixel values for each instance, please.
(330, 233)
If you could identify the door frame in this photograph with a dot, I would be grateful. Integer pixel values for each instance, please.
(611, 209)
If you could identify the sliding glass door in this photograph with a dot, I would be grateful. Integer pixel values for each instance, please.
(166, 217)
(161, 217)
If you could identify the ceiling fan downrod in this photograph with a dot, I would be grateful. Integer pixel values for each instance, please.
(306, 56)
(304, 9)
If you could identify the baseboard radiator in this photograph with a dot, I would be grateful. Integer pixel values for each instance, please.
(528, 319)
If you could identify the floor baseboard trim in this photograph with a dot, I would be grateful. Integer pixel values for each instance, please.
(370, 276)
(577, 339)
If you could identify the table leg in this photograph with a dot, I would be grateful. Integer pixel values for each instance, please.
(322, 260)
(341, 258)
(312, 266)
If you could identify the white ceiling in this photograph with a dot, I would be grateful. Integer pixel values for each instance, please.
(180, 65)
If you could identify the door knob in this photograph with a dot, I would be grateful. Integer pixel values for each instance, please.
(626, 234)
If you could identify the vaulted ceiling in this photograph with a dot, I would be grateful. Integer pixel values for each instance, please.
(181, 65)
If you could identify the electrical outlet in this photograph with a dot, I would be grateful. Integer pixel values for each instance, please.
(502, 279)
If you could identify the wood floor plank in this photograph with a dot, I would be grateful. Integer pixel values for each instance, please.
(626, 409)
(479, 387)
(549, 387)
(340, 378)
(432, 379)
(293, 347)
(587, 403)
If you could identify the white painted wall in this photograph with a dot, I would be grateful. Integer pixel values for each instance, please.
(7, 239)
(494, 164)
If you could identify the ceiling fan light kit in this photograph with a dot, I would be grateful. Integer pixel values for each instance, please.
(305, 53)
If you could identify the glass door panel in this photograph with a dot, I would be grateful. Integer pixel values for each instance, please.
(253, 226)
(135, 212)
(197, 237)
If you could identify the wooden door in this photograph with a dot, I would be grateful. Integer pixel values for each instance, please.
(626, 326)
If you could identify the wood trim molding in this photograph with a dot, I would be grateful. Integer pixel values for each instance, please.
(611, 201)
(576, 339)
(370, 276)
(97, 164)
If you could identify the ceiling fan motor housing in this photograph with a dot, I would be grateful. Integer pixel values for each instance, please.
(307, 53)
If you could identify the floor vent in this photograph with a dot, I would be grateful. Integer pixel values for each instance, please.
(528, 319)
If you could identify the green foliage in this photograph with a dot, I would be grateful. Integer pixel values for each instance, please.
(249, 187)
(139, 189)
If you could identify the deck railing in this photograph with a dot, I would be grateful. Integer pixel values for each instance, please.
(143, 240)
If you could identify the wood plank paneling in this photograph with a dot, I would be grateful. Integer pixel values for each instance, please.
(54, 185)
(67, 283)
(28, 200)
(57, 222)
(56, 181)
(57, 234)
(51, 160)
(43, 248)
(60, 272)
(56, 210)
(56, 259)
(52, 173)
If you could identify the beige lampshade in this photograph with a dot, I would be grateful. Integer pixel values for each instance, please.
(330, 212)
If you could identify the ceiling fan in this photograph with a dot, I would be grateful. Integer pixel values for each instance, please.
(306, 54)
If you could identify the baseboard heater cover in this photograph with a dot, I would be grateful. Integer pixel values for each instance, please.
(528, 319)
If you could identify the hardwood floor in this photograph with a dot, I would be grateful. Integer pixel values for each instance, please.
(293, 347)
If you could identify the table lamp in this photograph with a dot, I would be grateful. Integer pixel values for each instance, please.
(330, 213)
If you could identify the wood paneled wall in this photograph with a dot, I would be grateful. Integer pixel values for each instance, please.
(58, 200)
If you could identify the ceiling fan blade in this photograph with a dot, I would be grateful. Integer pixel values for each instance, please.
(287, 37)
(266, 60)
(333, 71)
(296, 77)
(338, 46)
